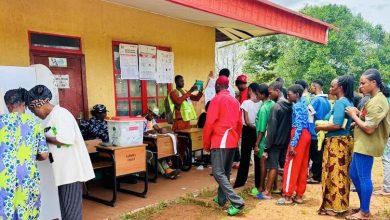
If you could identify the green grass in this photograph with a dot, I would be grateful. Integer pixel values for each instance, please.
(145, 213)
(202, 198)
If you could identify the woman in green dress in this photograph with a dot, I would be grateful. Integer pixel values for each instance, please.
(22, 143)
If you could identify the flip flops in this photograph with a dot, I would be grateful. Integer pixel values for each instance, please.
(312, 181)
(381, 193)
(284, 202)
(355, 217)
(298, 201)
(261, 196)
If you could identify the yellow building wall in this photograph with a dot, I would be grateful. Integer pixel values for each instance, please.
(98, 23)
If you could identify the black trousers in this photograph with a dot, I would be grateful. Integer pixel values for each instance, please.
(247, 144)
(282, 156)
(316, 157)
(237, 155)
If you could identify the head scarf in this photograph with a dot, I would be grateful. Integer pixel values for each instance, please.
(39, 96)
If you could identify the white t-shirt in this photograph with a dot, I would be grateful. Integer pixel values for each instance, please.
(252, 108)
(71, 163)
(209, 92)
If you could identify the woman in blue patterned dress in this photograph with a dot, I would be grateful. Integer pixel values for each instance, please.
(22, 143)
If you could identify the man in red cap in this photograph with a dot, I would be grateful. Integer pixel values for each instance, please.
(241, 84)
(221, 134)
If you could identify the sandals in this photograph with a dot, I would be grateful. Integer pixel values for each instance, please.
(262, 196)
(297, 201)
(313, 181)
(381, 193)
(322, 212)
(356, 217)
(284, 202)
(327, 212)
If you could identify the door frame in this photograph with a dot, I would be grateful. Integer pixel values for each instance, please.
(34, 52)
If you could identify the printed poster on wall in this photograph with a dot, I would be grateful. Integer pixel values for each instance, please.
(61, 81)
(147, 62)
(165, 67)
(128, 59)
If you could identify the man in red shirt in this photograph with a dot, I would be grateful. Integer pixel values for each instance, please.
(178, 96)
(221, 134)
(241, 84)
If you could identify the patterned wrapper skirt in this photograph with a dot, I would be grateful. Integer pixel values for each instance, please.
(335, 179)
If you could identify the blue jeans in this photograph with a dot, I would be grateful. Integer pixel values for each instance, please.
(360, 173)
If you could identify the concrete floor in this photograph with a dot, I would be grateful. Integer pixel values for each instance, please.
(163, 190)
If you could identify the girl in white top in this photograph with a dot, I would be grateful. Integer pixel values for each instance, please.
(249, 109)
(70, 160)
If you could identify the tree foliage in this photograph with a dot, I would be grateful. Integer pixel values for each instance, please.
(355, 47)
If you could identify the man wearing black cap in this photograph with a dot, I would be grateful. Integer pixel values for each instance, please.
(96, 127)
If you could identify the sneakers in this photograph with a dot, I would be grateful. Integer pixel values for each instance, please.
(254, 192)
(216, 201)
(262, 196)
(232, 211)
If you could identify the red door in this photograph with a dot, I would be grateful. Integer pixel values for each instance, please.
(71, 97)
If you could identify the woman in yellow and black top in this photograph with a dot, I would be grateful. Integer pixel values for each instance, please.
(370, 136)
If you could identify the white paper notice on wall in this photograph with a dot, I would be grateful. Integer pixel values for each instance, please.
(61, 81)
(165, 69)
(128, 59)
(147, 62)
(58, 62)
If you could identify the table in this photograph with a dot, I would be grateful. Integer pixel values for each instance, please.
(162, 147)
(195, 143)
(121, 161)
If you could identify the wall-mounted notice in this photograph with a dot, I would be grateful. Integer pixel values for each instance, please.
(58, 62)
(128, 59)
(165, 67)
(147, 62)
(61, 81)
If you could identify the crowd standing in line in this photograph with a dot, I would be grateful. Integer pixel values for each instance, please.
(303, 127)
(287, 129)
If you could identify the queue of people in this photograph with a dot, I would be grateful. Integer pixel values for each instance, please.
(285, 129)
(290, 129)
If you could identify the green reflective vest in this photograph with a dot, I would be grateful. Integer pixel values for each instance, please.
(187, 110)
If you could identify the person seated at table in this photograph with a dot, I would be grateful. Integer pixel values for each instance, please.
(202, 117)
(95, 127)
(164, 165)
